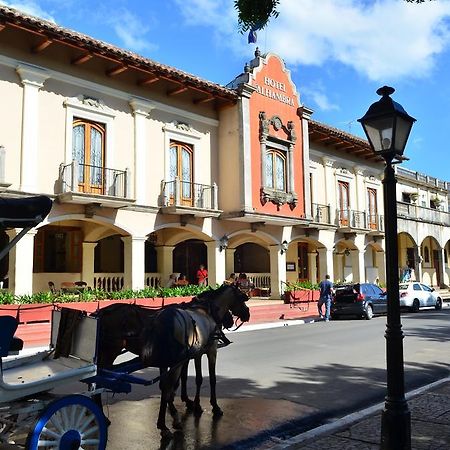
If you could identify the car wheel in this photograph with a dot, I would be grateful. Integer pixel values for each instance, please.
(415, 306)
(369, 312)
(438, 305)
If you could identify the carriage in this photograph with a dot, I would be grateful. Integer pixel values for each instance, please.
(30, 413)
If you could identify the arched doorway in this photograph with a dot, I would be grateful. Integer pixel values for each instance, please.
(187, 257)
(251, 257)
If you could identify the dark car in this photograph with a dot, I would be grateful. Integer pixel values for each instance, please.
(358, 299)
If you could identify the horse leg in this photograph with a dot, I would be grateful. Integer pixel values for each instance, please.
(174, 381)
(198, 383)
(212, 358)
(164, 385)
(184, 395)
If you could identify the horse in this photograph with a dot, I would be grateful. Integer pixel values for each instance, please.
(178, 334)
(121, 330)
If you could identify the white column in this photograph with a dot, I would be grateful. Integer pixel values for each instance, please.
(229, 260)
(442, 267)
(21, 263)
(326, 262)
(360, 194)
(134, 262)
(216, 263)
(419, 263)
(245, 162)
(339, 273)
(141, 109)
(358, 266)
(165, 262)
(306, 115)
(312, 258)
(277, 270)
(33, 79)
(381, 264)
(330, 188)
(87, 268)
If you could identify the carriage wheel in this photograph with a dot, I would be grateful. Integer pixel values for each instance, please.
(69, 423)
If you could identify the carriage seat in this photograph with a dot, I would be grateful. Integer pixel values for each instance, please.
(8, 343)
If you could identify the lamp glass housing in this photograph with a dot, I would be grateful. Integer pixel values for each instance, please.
(387, 125)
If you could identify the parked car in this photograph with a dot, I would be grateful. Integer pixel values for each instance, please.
(414, 295)
(358, 299)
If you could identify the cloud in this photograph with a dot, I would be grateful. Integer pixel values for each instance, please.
(382, 40)
(131, 31)
(318, 96)
(29, 7)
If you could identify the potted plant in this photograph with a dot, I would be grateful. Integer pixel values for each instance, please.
(301, 291)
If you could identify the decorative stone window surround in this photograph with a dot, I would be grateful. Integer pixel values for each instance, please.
(184, 133)
(88, 108)
(286, 146)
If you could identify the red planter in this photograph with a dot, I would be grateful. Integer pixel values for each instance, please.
(39, 313)
(304, 295)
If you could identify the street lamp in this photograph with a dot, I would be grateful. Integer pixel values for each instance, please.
(387, 126)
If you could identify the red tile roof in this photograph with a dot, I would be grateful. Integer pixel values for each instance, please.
(15, 18)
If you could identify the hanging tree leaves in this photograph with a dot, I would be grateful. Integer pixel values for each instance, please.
(255, 14)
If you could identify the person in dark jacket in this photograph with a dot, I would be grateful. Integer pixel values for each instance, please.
(326, 294)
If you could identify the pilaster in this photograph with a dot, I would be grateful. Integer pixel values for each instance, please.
(165, 262)
(277, 270)
(134, 262)
(312, 266)
(87, 268)
(141, 110)
(216, 263)
(21, 263)
(326, 262)
(33, 79)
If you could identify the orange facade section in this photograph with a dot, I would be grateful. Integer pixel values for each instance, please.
(276, 97)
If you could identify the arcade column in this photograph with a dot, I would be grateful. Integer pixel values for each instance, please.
(216, 263)
(87, 268)
(277, 270)
(134, 262)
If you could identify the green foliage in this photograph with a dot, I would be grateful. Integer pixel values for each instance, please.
(255, 13)
(301, 285)
(7, 298)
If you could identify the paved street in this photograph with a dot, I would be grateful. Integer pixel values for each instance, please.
(298, 376)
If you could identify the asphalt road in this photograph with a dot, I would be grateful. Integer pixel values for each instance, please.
(282, 381)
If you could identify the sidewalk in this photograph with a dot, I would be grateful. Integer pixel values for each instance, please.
(430, 425)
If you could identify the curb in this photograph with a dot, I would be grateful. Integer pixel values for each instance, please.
(350, 419)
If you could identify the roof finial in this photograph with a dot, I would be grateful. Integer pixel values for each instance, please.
(257, 52)
(246, 68)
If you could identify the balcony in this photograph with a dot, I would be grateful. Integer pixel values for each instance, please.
(321, 214)
(87, 184)
(422, 213)
(349, 219)
(187, 198)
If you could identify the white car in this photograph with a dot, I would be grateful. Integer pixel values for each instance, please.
(414, 295)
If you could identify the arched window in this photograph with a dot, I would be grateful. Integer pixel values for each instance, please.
(180, 165)
(426, 254)
(276, 170)
(88, 149)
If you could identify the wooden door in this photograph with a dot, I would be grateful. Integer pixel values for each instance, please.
(344, 203)
(302, 261)
(180, 167)
(372, 208)
(88, 149)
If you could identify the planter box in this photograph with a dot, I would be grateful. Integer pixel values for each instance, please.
(42, 312)
(301, 296)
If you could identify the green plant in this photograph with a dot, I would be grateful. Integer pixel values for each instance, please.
(301, 285)
(7, 298)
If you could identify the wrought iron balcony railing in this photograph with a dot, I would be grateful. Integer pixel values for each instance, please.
(89, 179)
(321, 213)
(188, 194)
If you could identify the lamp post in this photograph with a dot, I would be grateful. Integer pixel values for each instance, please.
(387, 126)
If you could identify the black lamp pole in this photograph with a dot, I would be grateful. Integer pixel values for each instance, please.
(387, 127)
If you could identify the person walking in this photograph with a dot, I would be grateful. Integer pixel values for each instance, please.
(326, 293)
(202, 276)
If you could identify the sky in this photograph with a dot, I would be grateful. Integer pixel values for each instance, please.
(339, 53)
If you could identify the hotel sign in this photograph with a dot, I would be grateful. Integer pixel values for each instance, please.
(275, 90)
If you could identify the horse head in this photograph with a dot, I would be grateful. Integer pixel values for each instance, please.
(228, 298)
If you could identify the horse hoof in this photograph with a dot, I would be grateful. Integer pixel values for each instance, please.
(217, 412)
